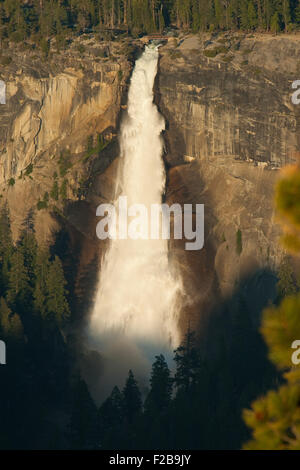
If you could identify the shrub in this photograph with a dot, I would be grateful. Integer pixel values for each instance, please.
(91, 150)
(81, 48)
(222, 50)
(102, 53)
(217, 50)
(239, 242)
(17, 36)
(61, 42)
(11, 182)
(54, 193)
(175, 54)
(246, 51)
(210, 53)
(228, 58)
(63, 189)
(90, 143)
(45, 46)
(28, 170)
(257, 71)
(64, 162)
(6, 60)
(41, 205)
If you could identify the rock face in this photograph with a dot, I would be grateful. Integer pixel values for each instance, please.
(53, 107)
(58, 135)
(231, 126)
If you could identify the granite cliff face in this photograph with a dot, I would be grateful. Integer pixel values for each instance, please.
(58, 133)
(53, 106)
(230, 127)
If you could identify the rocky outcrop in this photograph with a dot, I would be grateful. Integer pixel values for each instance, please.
(231, 126)
(53, 106)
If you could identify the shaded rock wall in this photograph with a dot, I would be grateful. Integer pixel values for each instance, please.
(230, 127)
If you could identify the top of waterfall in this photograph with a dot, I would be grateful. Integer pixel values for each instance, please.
(157, 39)
(152, 45)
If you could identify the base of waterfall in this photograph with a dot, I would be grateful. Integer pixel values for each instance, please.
(137, 304)
(111, 356)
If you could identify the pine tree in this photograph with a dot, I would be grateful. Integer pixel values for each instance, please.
(28, 246)
(10, 324)
(82, 431)
(18, 286)
(41, 272)
(6, 248)
(48, 18)
(161, 19)
(188, 363)
(16, 327)
(275, 23)
(54, 193)
(259, 4)
(252, 16)
(244, 21)
(5, 313)
(111, 417)
(132, 399)
(160, 394)
(56, 304)
(112, 410)
(268, 11)
(286, 13)
(63, 190)
(195, 16)
(297, 13)
(219, 14)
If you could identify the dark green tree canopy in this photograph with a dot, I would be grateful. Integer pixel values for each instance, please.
(160, 393)
(132, 398)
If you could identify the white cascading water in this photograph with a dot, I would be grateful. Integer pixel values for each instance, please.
(137, 295)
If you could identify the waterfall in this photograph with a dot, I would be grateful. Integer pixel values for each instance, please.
(137, 294)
